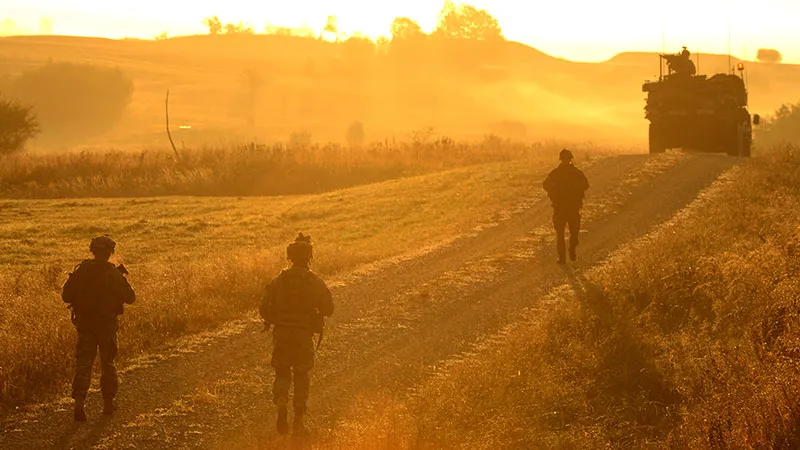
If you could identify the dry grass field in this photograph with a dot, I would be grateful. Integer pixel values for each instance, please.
(199, 261)
(246, 170)
(686, 338)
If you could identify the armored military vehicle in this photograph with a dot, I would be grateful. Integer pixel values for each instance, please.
(697, 112)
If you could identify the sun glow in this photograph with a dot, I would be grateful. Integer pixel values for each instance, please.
(586, 30)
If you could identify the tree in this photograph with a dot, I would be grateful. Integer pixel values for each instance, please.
(406, 29)
(783, 127)
(768, 55)
(252, 81)
(17, 125)
(467, 22)
(355, 134)
(239, 28)
(331, 28)
(73, 101)
(214, 25)
(46, 25)
(163, 36)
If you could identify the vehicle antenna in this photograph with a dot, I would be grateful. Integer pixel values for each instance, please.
(698, 63)
(660, 59)
(730, 66)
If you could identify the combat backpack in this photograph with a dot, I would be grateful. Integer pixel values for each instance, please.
(313, 320)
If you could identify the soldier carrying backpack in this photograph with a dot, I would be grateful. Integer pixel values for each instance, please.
(566, 186)
(295, 303)
(96, 292)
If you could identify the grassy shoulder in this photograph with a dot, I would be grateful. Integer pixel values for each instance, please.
(687, 338)
(197, 262)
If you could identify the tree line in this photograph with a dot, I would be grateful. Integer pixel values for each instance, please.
(454, 22)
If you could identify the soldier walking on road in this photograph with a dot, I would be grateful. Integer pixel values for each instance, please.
(295, 302)
(96, 292)
(566, 186)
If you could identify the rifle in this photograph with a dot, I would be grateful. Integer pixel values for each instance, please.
(122, 269)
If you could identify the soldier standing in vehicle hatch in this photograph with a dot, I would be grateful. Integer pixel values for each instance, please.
(566, 186)
(295, 302)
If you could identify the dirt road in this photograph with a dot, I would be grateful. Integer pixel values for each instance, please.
(393, 326)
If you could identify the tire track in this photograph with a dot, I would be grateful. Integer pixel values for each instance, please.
(215, 394)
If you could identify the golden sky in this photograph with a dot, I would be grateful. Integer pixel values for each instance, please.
(584, 30)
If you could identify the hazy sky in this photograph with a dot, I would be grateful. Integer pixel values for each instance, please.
(588, 30)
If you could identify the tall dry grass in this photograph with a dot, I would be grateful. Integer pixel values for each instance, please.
(687, 338)
(243, 170)
(198, 262)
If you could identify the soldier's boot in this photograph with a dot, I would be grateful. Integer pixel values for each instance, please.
(298, 426)
(283, 420)
(80, 412)
(109, 406)
(572, 255)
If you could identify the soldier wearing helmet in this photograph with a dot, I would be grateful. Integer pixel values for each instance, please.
(566, 186)
(295, 303)
(96, 291)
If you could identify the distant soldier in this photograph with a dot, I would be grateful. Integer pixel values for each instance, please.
(96, 291)
(566, 187)
(295, 302)
(681, 64)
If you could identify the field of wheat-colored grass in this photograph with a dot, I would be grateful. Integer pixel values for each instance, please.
(686, 338)
(245, 170)
(199, 261)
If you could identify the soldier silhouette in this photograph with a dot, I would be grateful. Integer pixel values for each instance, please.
(96, 292)
(295, 303)
(566, 186)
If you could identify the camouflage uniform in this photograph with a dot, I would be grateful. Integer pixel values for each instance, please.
(566, 187)
(293, 302)
(96, 291)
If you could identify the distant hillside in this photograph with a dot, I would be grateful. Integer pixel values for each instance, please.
(459, 88)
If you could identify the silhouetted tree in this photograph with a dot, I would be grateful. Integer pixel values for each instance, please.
(17, 125)
(331, 28)
(382, 45)
(46, 25)
(783, 127)
(355, 134)
(214, 25)
(73, 101)
(768, 55)
(253, 81)
(467, 22)
(404, 28)
(238, 28)
(163, 36)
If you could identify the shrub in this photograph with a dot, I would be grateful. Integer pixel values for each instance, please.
(74, 101)
(783, 127)
(17, 125)
(355, 134)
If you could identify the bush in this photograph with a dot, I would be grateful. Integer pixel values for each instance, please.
(74, 101)
(769, 55)
(17, 125)
(355, 134)
(782, 128)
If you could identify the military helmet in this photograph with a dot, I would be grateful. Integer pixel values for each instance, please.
(566, 155)
(301, 249)
(102, 243)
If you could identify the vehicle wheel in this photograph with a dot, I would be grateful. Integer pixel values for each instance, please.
(747, 140)
(733, 140)
(740, 141)
(656, 141)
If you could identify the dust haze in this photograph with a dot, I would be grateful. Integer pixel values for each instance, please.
(464, 81)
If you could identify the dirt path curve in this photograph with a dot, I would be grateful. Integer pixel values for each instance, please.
(390, 330)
